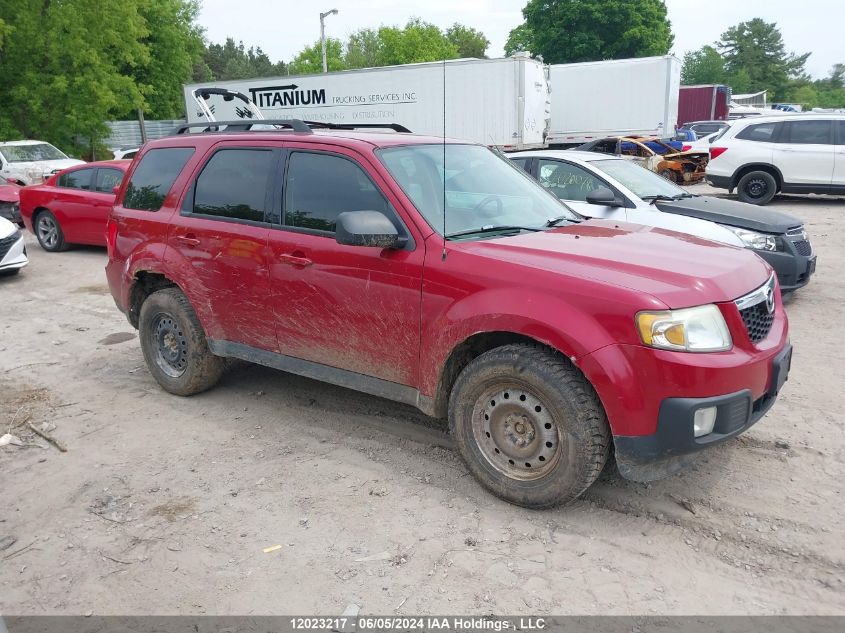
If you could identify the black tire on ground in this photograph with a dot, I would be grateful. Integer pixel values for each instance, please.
(547, 441)
(49, 232)
(175, 346)
(757, 187)
(10, 272)
(669, 175)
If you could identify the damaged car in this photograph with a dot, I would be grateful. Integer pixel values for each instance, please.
(10, 199)
(32, 162)
(655, 155)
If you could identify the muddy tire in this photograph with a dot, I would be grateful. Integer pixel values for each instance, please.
(49, 232)
(757, 187)
(529, 426)
(174, 344)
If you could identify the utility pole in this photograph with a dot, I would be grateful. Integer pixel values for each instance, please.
(323, 36)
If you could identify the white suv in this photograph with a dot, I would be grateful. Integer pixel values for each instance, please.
(762, 156)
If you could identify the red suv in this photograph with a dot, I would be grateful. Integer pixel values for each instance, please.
(438, 274)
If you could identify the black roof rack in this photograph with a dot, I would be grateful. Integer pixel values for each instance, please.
(244, 125)
(358, 126)
(295, 125)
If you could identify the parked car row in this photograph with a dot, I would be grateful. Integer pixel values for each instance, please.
(600, 186)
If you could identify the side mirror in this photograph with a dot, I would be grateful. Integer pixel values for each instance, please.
(604, 197)
(367, 228)
(115, 189)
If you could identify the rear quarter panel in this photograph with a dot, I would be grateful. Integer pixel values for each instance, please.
(141, 236)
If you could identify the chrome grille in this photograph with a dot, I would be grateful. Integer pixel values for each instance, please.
(757, 310)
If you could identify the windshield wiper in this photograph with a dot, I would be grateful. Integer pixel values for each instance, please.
(653, 199)
(492, 229)
(561, 218)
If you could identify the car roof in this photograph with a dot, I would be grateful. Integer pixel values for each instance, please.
(343, 138)
(576, 156)
(122, 163)
(767, 118)
(24, 143)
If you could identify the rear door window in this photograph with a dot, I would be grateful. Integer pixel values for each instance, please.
(840, 132)
(79, 179)
(322, 186)
(762, 132)
(108, 179)
(235, 184)
(154, 177)
(810, 132)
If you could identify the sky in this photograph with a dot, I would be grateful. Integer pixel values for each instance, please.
(283, 27)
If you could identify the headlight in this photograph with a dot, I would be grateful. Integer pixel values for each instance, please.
(752, 239)
(700, 329)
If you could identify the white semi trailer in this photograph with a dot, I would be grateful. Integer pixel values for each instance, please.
(499, 102)
(622, 97)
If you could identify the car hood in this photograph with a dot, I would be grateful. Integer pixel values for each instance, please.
(678, 269)
(10, 193)
(732, 213)
(35, 170)
(6, 228)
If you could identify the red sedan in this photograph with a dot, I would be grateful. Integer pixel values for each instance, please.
(73, 206)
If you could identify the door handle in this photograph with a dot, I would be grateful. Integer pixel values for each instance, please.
(188, 240)
(295, 260)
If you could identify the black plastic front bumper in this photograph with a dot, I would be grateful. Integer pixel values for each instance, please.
(651, 457)
(793, 269)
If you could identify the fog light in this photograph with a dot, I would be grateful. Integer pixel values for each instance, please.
(704, 420)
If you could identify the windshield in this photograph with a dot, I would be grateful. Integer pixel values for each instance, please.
(641, 181)
(29, 153)
(483, 190)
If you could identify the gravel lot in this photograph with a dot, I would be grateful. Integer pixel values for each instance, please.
(165, 505)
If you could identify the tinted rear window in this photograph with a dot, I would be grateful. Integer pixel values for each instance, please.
(234, 184)
(79, 179)
(154, 176)
(763, 132)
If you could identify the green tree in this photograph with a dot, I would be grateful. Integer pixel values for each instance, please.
(565, 31)
(227, 61)
(469, 41)
(704, 66)
(364, 49)
(831, 90)
(520, 39)
(756, 47)
(418, 42)
(64, 65)
(310, 59)
(174, 45)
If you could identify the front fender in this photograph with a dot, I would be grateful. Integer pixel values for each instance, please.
(564, 325)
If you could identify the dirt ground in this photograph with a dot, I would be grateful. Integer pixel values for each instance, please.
(165, 505)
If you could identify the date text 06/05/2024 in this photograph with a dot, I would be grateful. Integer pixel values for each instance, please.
(411, 623)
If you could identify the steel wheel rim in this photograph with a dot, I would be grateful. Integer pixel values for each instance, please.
(48, 231)
(756, 188)
(516, 432)
(170, 345)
